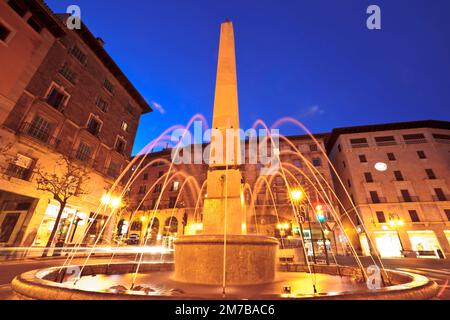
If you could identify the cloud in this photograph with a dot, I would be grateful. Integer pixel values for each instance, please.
(158, 107)
(313, 111)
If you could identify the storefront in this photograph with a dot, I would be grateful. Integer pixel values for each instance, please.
(71, 226)
(388, 244)
(425, 244)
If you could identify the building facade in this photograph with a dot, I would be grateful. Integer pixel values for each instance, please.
(158, 214)
(398, 178)
(63, 96)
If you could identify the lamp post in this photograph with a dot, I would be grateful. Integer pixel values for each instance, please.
(395, 222)
(113, 203)
(297, 196)
(321, 218)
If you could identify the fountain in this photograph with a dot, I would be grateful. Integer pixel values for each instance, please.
(225, 250)
(224, 262)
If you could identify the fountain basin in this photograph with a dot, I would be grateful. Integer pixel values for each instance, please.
(250, 259)
(43, 285)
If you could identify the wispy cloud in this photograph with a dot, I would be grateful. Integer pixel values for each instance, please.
(312, 111)
(158, 107)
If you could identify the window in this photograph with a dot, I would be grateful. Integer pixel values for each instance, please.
(102, 104)
(57, 98)
(359, 143)
(39, 129)
(414, 216)
(83, 152)
(160, 174)
(374, 196)
(406, 196)
(68, 73)
(440, 194)
(145, 177)
(421, 154)
(78, 54)
(17, 8)
(381, 217)
(398, 176)
(391, 157)
(385, 141)
(4, 33)
(344, 165)
(124, 126)
(414, 138)
(21, 167)
(94, 126)
(368, 177)
(33, 23)
(430, 174)
(130, 110)
(313, 148)
(362, 158)
(113, 170)
(447, 213)
(120, 145)
(142, 189)
(158, 188)
(172, 202)
(108, 86)
(317, 162)
(175, 186)
(339, 148)
(443, 137)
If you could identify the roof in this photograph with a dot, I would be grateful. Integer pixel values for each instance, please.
(437, 124)
(55, 24)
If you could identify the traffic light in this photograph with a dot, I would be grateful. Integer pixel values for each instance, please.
(320, 214)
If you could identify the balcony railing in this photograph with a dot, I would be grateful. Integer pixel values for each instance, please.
(18, 172)
(359, 145)
(441, 198)
(386, 143)
(38, 134)
(416, 141)
(409, 199)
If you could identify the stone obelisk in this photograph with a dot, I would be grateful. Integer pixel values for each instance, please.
(224, 253)
(224, 180)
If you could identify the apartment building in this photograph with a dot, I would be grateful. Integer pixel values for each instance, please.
(398, 178)
(63, 96)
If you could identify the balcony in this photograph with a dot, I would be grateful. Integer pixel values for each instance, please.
(409, 199)
(17, 172)
(43, 136)
(416, 141)
(377, 201)
(359, 145)
(441, 198)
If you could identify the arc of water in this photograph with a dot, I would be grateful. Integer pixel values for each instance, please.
(303, 127)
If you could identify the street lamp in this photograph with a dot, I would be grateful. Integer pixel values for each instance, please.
(297, 196)
(395, 222)
(322, 218)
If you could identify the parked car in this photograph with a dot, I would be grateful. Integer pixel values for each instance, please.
(134, 239)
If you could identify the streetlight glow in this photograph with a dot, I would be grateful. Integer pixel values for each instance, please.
(297, 195)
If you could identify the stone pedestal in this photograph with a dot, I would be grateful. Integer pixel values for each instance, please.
(249, 259)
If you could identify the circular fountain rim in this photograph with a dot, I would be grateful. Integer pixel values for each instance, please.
(32, 285)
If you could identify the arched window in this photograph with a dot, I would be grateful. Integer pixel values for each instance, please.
(171, 226)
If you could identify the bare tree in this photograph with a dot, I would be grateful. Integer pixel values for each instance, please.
(69, 182)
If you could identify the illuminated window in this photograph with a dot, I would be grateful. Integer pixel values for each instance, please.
(124, 126)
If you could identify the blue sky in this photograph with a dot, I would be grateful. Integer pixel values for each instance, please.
(312, 60)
